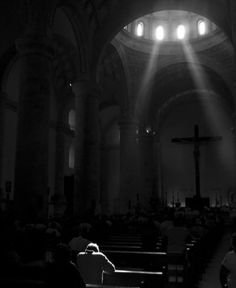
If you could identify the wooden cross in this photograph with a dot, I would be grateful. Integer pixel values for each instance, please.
(196, 141)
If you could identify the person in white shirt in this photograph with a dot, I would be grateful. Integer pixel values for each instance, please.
(92, 264)
(228, 267)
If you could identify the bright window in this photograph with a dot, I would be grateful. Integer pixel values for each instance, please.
(139, 29)
(201, 27)
(159, 33)
(181, 32)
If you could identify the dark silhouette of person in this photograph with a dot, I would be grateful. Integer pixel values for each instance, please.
(92, 264)
(63, 272)
(228, 266)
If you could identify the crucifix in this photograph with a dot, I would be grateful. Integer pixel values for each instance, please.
(196, 141)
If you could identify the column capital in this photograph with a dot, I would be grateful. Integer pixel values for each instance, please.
(35, 44)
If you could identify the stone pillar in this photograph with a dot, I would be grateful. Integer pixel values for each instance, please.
(232, 10)
(104, 197)
(129, 165)
(92, 150)
(232, 15)
(59, 197)
(79, 89)
(160, 193)
(87, 175)
(31, 169)
(2, 116)
(146, 163)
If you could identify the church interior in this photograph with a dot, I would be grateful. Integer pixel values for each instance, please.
(119, 110)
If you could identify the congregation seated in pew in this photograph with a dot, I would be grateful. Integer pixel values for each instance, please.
(63, 272)
(177, 236)
(131, 237)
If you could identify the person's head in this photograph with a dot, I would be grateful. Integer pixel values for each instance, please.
(62, 253)
(233, 241)
(92, 247)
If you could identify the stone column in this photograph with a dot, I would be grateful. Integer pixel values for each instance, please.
(104, 197)
(232, 15)
(87, 175)
(31, 169)
(59, 197)
(79, 89)
(129, 165)
(146, 162)
(92, 150)
(158, 172)
(2, 116)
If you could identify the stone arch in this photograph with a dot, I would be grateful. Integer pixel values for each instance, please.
(218, 15)
(205, 108)
(112, 78)
(164, 78)
(120, 50)
(8, 116)
(70, 28)
(6, 62)
(104, 34)
(192, 95)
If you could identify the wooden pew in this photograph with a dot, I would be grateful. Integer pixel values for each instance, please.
(142, 260)
(130, 278)
(116, 242)
(118, 247)
(107, 286)
(21, 283)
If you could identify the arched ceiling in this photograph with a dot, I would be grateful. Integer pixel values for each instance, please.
(112, 80)
(177, 78)
(112, 15)
(199, 98)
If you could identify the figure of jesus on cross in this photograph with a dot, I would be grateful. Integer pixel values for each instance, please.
(196, 141)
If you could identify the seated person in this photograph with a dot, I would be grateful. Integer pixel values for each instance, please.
(92, 264)
(78, 243)
(62, 272)
(177, 236)
(228, 266)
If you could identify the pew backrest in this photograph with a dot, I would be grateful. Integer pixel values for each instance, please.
(149, 261)
(147, 279)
